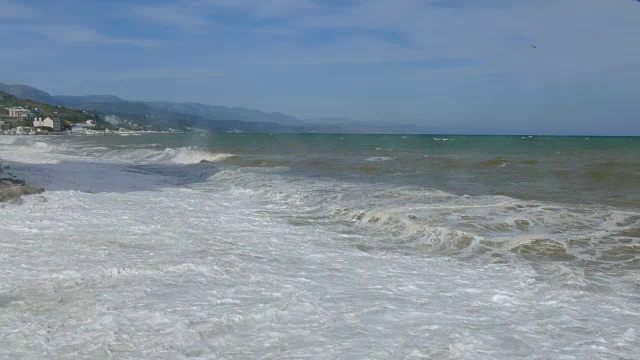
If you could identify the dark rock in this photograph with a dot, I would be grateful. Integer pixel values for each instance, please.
(10, 192)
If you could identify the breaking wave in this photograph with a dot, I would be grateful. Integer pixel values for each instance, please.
(188, 156)
(499, 227)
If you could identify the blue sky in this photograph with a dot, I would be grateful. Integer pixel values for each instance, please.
(455, 64)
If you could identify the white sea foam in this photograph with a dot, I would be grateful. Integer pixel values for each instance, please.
(189, 291)
(303, 268)
(32, 152)
(186, 156)
(437, 221)
(181, 156)
(52, 152)
(379, 158)
(7, 140)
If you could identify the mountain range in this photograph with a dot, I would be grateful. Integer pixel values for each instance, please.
(161, 115)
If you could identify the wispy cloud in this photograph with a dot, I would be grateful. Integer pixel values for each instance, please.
(574, 36)
(10, 9)
(67, 34)
(268, 9)
(199, 15)
(363, 51)
(138, 74)
(170, 14)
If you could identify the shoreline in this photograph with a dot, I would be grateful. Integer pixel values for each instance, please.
(12, 188)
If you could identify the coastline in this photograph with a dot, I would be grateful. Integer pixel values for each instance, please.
(12, 188)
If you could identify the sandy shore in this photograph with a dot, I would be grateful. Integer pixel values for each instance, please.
(12, 188)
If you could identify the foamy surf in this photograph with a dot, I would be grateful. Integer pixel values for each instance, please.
(180, 156)
(189, 156)
(379, 158)
(132, 253)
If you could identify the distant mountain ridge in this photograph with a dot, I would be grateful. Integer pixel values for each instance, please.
(145, 115)
(162, 115)
(88, 99)
(212, 112)
(215, 112)
(29, 92)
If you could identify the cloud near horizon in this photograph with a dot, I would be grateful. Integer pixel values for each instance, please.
(453, 63)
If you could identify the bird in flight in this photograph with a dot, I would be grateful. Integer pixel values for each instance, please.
(533, 46)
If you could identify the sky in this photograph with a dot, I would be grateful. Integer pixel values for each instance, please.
(459, 65)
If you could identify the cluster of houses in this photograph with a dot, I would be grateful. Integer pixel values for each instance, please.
(122, 123)
(17, 116)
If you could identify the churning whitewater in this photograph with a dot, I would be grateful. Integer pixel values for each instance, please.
(321, 246)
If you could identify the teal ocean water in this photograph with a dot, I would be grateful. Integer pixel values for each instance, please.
(322, 246)
(579, 170)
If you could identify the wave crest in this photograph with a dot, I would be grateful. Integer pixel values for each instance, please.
(190, 156)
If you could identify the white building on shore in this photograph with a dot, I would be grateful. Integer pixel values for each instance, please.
(54, 124)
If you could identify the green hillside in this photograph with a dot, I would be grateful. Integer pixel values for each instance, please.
(46, 110)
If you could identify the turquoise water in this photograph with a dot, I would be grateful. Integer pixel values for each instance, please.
(594, 170)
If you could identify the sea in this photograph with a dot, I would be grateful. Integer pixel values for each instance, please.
(274, 246)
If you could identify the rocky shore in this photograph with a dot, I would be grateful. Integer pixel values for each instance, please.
(12, 188)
